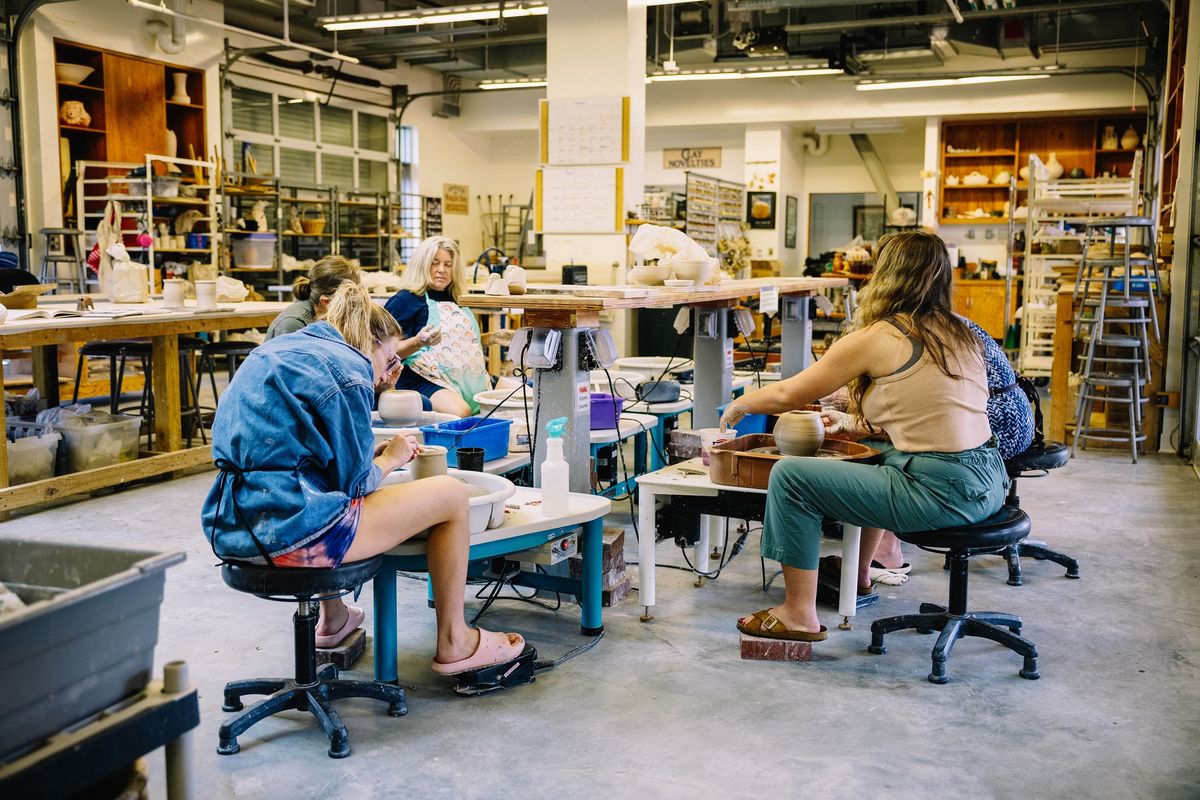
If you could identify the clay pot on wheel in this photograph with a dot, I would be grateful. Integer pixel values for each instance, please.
(399, 407)
(799, 433)
(429, 462)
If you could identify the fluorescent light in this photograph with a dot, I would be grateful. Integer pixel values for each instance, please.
(161, 8)
(874, 86)
(860, 126)
(730, 75)
(434, 16)
(528, 83)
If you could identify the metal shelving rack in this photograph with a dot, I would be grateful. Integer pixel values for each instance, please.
(239, 192)
(201, 176)
(361, 231)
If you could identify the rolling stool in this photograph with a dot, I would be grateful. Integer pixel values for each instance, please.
(1035, 462)
(233, 352)
(311, 690)
(1003, 529)
(114, 351)
(54, 254)
(189, 407)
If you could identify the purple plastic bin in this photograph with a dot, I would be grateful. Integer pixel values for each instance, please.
(606, 410)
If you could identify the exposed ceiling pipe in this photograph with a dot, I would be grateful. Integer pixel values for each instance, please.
(968, 16)
(878, 173)
(170, 38)
(814, 144)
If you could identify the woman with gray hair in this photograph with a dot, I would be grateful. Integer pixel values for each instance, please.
(450, 369)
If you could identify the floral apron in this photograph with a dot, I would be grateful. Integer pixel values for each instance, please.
(456, 362)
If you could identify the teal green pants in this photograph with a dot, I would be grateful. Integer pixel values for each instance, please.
(903, 492)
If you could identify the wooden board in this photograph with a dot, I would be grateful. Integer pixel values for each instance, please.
(135, 92)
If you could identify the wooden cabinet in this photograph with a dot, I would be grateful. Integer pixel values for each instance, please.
(982, 302)
(999, 148)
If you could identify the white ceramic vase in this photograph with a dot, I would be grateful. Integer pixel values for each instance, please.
(799, 433)
(1130, 139)
(1053, 168)
(399, 407)
(181, 95)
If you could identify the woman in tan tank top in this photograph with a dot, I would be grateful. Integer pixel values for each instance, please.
(917, 382)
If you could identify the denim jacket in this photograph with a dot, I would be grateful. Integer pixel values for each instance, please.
(292, 438)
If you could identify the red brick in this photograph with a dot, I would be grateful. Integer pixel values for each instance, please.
(756, 648)
(610, 597)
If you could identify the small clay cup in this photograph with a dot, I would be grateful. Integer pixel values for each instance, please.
(799, 433)
(429, 462)
(470, 458)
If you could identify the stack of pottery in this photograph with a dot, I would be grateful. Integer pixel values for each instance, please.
(799, 433)
(399, 407)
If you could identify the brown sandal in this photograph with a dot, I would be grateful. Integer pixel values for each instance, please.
(766, 625)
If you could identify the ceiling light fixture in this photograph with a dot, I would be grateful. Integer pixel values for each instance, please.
(435, 16)
(875, 86)
(516, 83)
(162, 8)
(730, 75)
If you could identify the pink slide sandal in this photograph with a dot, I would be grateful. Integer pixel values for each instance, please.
(494, 648)
(354, 618)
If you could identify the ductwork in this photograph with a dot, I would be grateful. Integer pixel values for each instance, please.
(814, 144)
(171, 37)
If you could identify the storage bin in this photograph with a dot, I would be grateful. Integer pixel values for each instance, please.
(606, 411)
(32, 458)
(491, 434)
(100, 443)
(86, 639)
(253, 249)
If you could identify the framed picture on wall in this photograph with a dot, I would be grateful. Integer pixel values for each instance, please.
(760, 209)
(790, 210)
(868, 222)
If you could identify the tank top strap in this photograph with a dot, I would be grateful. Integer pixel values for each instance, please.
(918, 347)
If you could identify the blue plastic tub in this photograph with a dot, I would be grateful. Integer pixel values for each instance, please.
(752, 423)
(491, 434)
(606, 411)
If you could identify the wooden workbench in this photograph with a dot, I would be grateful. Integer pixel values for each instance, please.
(163, 328)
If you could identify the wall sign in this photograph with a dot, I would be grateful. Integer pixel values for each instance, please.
(455, 198)
(791, 208)
(433, 216)
(692, 158)
(760, 210)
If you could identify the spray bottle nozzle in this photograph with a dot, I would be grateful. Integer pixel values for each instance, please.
(555, 427)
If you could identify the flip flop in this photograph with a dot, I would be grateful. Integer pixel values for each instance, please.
(766, 625)
(354, 618)
(888, 577)
(903, 569)
(831, 567)
(494, 648)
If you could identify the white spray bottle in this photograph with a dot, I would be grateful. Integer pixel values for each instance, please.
(555, 475)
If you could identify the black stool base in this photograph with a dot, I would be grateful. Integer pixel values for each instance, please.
(984, 624)
(1037, 550)
(317, 699)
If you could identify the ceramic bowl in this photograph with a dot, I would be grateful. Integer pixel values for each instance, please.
(648, 275)
(698, 270)
(678, 283)
(72, 73)
(400, 407)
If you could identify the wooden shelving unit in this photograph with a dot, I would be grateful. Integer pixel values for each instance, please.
(994, 146)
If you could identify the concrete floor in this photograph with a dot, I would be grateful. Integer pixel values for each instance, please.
(667, 709)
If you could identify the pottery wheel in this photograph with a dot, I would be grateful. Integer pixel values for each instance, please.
(822, 453)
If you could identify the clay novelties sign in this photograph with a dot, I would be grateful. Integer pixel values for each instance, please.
(692, 158)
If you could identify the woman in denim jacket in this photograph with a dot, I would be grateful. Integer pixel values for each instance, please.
(299, 482)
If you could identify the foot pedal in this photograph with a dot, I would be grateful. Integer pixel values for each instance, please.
(519, 671)
(829, 593)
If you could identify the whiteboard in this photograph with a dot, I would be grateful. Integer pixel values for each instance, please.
(579, 199)
(585, 130)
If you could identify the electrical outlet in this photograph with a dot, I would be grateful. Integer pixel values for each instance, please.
(1166, 399)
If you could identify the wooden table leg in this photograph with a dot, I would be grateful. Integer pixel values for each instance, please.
(45, 373)
(168, 428)
(1064, 339)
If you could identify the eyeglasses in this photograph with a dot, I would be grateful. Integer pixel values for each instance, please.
(394, 362)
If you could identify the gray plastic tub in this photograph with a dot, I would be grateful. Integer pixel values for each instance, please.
(86, 639)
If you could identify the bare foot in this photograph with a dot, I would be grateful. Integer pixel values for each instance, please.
(792, 622)
(333, 617)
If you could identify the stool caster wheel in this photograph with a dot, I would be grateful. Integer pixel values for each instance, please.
(938, 675)
(339, 745)
(876, 649)
(232, 704)
(397, 709)
(1030, 671)
(1073, 574)
(925, 631)
(228, 748)
(938, 679)
(1016, 581)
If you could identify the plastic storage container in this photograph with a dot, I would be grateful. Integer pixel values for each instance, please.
(86, 638)
(32, 451)
(253, 249)
(490, 434)
(606, 411)
(101, 444)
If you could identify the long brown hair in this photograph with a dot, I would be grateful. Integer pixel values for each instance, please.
(361, 321)
(911, 284)
(324, 278)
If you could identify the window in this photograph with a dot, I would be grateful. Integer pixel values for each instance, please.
(411, 211)
(372, 132)
(252, 110)
(337, 126)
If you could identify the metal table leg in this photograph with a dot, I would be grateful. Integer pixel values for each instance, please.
(646, 536)
(593, 557)
(796, 339)
(384, 589)
(565, 392)
(713, 354)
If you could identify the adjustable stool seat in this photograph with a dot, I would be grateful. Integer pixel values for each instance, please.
(311, 690)
(1037, 461)
(1003, 529)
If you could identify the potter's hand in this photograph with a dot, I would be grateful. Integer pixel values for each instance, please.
(733, 415)
(429, 335)
(838, 421)
(397, 451)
